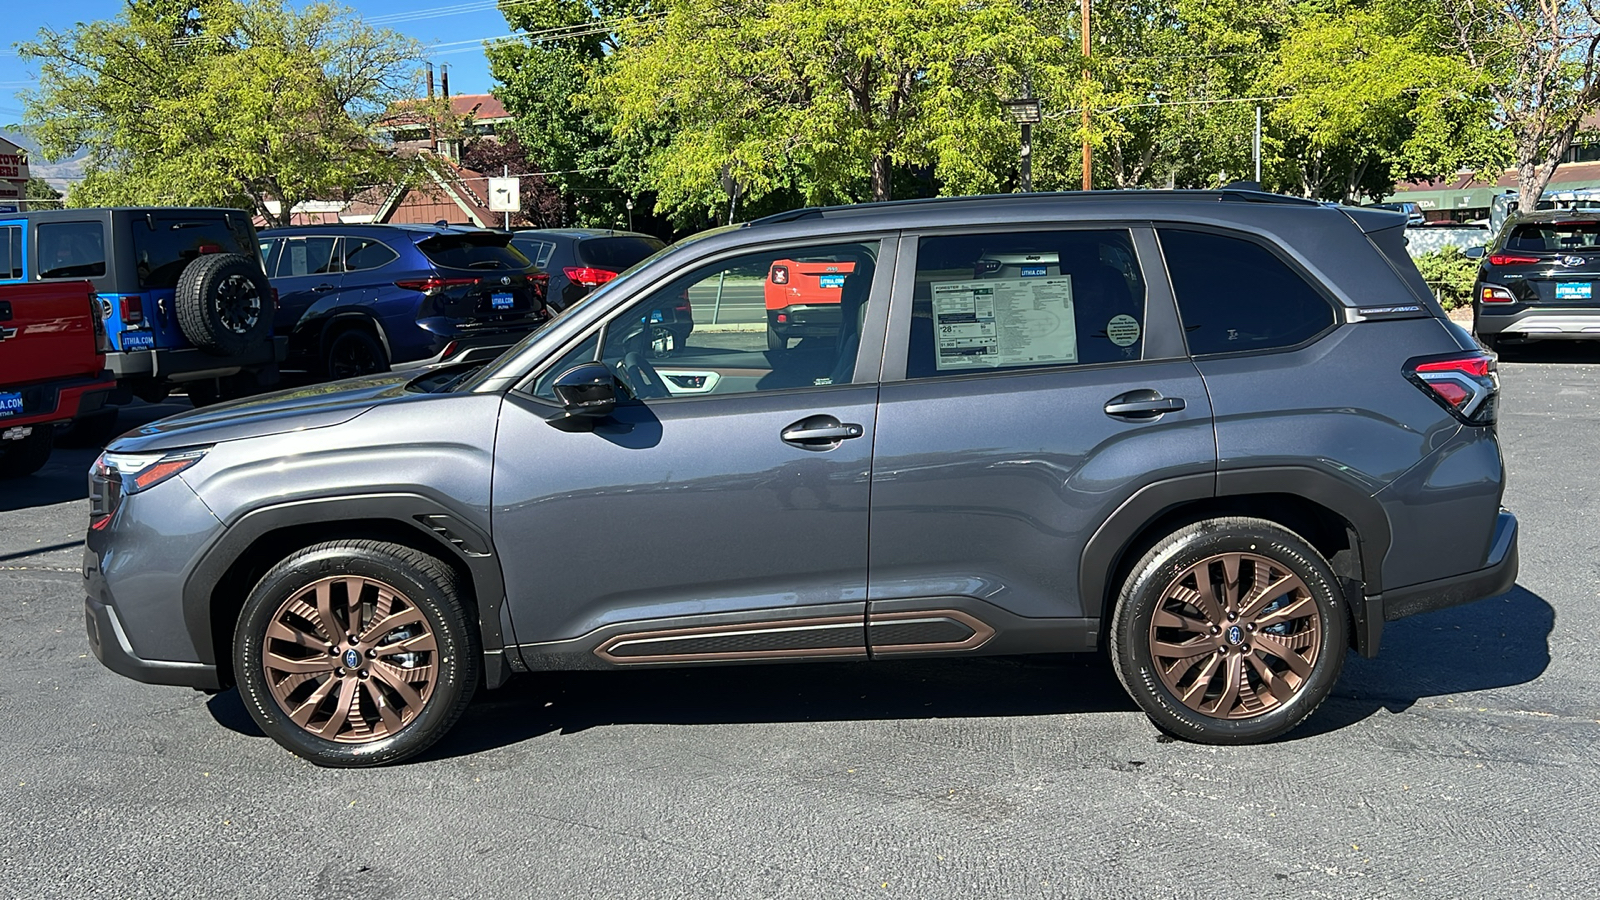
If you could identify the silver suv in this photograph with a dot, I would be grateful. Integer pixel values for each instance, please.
(1226, 435)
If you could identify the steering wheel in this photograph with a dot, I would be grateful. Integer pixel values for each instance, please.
(643, 379)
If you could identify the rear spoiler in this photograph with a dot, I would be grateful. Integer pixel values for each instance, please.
(457, 238)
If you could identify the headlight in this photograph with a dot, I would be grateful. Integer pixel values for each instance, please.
(116, 475)
(143, 471)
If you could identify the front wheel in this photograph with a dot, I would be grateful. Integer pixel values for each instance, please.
(1230, 631)
(356, 653)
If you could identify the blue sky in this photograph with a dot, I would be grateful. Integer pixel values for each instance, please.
(450, 25)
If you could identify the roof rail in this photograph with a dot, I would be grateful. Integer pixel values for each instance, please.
(805, 212)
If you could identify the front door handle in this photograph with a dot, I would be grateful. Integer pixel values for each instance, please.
(820, 433)
(323, 288)
(1142, 404)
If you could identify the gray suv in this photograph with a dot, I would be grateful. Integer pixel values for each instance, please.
(1224, 435)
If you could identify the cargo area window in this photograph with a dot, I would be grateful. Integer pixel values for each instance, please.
(11, 267)
(72, 250)
(1236, 295)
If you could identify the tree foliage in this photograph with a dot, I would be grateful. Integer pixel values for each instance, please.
(250, 103)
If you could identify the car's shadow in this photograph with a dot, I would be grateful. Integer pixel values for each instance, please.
(1579, 352)
(65, 477)
(1482, 646)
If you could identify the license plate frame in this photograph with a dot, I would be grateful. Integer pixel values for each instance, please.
(138, 340)
(10, 404)
(1574, 290)
(502, 301)
(830, 282)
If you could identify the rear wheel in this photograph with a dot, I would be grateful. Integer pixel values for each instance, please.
(776, 341)
(354, 352)
(24, 457)
(1230, 631)
(356, 653)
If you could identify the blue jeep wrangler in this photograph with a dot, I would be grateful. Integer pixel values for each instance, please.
(181, 292)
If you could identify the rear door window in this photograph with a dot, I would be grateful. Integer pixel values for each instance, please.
(72, 250)
(307, 256)
(11, 267)
(1236, 295)
(361, 254)
(616, 253)
(990, 302)
(163, 246)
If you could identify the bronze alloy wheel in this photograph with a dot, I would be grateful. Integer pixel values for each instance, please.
(350, 659)
(1235, 635)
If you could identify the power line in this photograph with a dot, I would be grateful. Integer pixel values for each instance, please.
(1112, 109)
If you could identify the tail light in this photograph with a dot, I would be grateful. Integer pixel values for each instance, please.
(588, 276)
(1493, 293)
(209, 248)
(1507, 259)
(433, 283)
(102, 341)
(274, 298)
(132, 310)
(780, 275)
(1466, 384)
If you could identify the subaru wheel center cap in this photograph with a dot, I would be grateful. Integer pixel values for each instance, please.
(1235, 634)
(352, 659)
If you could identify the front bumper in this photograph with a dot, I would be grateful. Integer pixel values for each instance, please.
(1496, 578)
(111, 647)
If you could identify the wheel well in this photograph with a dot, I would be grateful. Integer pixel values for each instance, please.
(230, 591)
(1330, 533)
(353, 322)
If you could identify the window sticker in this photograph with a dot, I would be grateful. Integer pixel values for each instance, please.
(1004, 322)
(1123, 330)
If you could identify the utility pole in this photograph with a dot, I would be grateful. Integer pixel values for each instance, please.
(1257, 143)
(1088, 180)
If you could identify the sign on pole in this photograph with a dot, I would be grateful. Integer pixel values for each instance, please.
(505, 194)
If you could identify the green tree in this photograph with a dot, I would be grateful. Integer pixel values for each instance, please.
(38, 189)
(821, 97)
(253, 104)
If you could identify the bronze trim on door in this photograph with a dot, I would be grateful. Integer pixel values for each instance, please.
(837, 637)
(941, 631)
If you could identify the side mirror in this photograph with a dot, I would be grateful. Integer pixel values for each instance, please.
(1473, 253)
(588, 390)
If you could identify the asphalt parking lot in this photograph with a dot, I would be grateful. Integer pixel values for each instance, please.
(1461, 763)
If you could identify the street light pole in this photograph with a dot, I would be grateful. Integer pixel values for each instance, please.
(1088, 179)
(1026, 111)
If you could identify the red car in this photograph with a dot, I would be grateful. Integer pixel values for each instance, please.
(52, 363)
(803, 299)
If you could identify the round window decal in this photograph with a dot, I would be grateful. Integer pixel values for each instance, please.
(1123, 330)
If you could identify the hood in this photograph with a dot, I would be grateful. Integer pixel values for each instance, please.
(314, 406)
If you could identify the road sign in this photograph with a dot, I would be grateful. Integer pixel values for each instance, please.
(505, 194)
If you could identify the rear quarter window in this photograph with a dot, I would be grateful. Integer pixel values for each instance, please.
(163, 246)
(1235, 295)
(11, 253)
(616, 253)
(72, 250)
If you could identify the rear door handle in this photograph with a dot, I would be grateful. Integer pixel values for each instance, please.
(1142, 404)
(323, 288)
(820, 433)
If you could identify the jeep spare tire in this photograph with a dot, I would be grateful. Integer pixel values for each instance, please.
(224, 303)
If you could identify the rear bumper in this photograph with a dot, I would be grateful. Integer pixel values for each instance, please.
(805, 321)
(1494, 579)
(61, 401)
(111, 647)
(192, 363)
(470, 348)
(1539, 323)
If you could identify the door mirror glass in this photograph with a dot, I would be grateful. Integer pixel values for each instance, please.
(588, 389)
(1473, 253)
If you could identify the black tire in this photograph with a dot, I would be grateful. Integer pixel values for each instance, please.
(224, 304)
(449, 660)
(1490, 342)
(203, 393)
(19, 459)
(1259, 710)
(220, 390)
(776, 341)
(353, 352)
